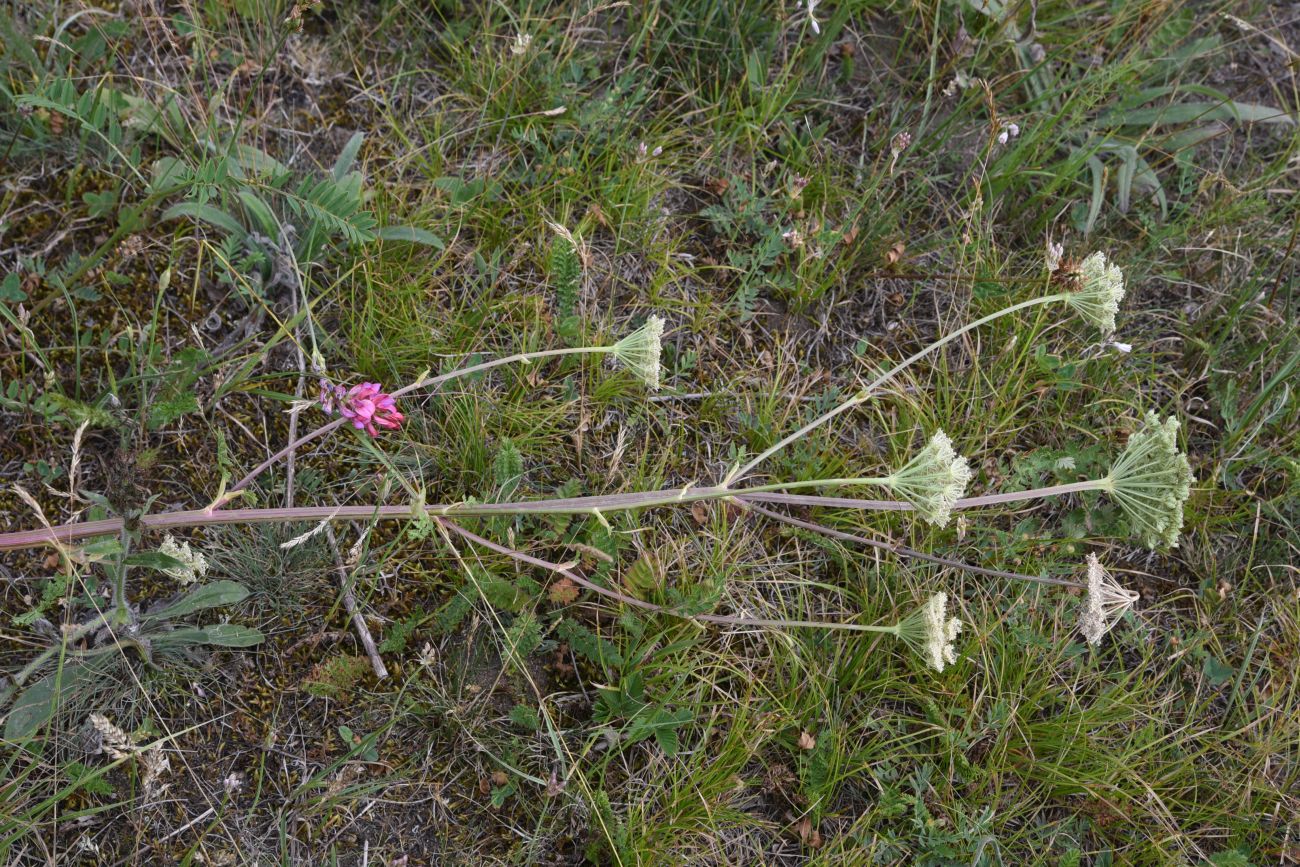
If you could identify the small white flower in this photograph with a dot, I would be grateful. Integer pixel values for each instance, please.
(1125, 348)
(194, 567)
(1054, 254)
(931, 633)
(1151, 480)
(932, 481)
(521, 43)
(812, 17)
(639, 352)
(940, 633)
(1100, 291)
(1106, 603)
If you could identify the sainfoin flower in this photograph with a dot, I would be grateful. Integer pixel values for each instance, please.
(932, 481)
(931, 633)
(1106, 603)
(367, 406)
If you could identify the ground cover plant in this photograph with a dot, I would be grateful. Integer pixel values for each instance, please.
(683, 432)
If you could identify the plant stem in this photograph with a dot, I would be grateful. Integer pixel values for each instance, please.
(725, 619)
(964, 503)
(121, 607)
(525, 357)
(591, 505)
(869, 392)
(897, 548)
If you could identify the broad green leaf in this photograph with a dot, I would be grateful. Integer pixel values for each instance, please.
(211, 595)
(1124, 178)
(232, 635)
(259, 163)
(1198, 112)
(260, 212)
(222, 635)
(411, 235)
(155, 560)
(348, 156)
(169, 174)
(1098, 193)
(38, 702)
(207, 214)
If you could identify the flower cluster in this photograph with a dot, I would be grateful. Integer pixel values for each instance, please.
(1151, 481)
(1106, 603)
(1101, 288)
(931, 633)
(193, 564)
(932, 481)
(639, 351)
(367, 406)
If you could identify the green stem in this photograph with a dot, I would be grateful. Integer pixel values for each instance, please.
(869, 392)
(121, 607)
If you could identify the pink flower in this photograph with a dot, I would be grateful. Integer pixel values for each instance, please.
(365, 405)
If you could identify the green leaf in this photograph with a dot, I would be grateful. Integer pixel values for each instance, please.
(1098, 193)
(1199, 112)
(222, 635)
(348, 156)
(260, 212)
(411, 235)
(232, 635)
(11, 288)
(207, 214)
(525, 717)
(1216, 672)
(155, 560)
(37, 703)
(212, 595)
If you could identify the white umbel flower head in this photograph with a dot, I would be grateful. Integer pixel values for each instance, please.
(931, 633)
(1101, 288)
(194, 567)
(932, 481)
(1106, 603)
(639, 351)
(1151, 481)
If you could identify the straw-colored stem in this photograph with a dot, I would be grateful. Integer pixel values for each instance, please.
(427, 382)
(869, 392)
(591, 505)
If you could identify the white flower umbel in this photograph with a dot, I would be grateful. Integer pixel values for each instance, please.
(932, 481)
(639, 351)
(1106, 603)
(195, 564)
(1101, 288)
(931, 633)
(1151, 481)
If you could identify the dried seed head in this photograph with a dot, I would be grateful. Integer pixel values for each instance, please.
(1106, 603)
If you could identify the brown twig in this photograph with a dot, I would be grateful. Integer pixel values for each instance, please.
(350, 603)
(900, 549)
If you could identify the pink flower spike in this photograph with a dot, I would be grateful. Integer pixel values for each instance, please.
(365, 405)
